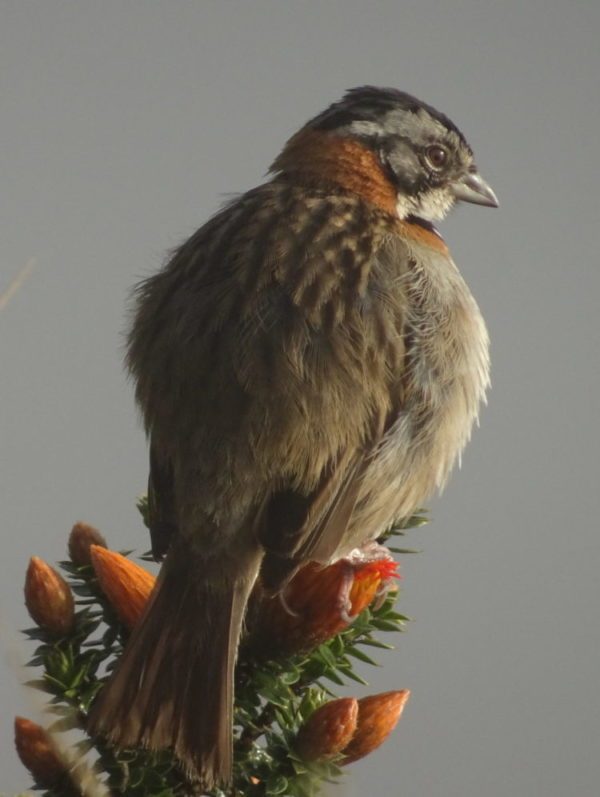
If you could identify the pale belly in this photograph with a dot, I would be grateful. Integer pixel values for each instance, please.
(445, 386)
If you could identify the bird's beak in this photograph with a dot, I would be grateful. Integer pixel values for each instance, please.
(473, 188)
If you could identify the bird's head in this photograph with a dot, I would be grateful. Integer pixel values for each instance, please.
(392, 149)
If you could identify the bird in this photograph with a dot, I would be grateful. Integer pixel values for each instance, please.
(309, 365)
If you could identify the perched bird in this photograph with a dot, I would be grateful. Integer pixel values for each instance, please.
(309, 365)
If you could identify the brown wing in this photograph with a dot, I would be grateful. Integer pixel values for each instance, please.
(297, 529)
(279, 328)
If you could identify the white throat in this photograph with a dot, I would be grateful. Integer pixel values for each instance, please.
(433, 205)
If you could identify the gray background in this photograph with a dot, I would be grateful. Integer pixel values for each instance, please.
(124, 125)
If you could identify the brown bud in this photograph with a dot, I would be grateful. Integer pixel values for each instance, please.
(82, 536)
(126, 585)
(48, 598)
(328, 730)
(320, 602)
(36, 751)
(377, 718)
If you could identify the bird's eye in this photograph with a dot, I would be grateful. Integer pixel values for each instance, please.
(437, 156)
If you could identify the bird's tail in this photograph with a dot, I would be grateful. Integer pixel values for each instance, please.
(173, 687)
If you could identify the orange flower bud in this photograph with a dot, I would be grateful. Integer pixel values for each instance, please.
(126, 585)
(48, 598)
(368, 580)
(37, 752)
(328, 730)
(319, 602)
(377, 718)
(82, 536)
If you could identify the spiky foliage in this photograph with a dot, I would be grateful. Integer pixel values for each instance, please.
(274, 696)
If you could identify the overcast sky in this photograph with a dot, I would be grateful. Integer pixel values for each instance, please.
(124, 126)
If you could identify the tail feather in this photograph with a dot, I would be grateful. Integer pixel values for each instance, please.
(173, 687)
